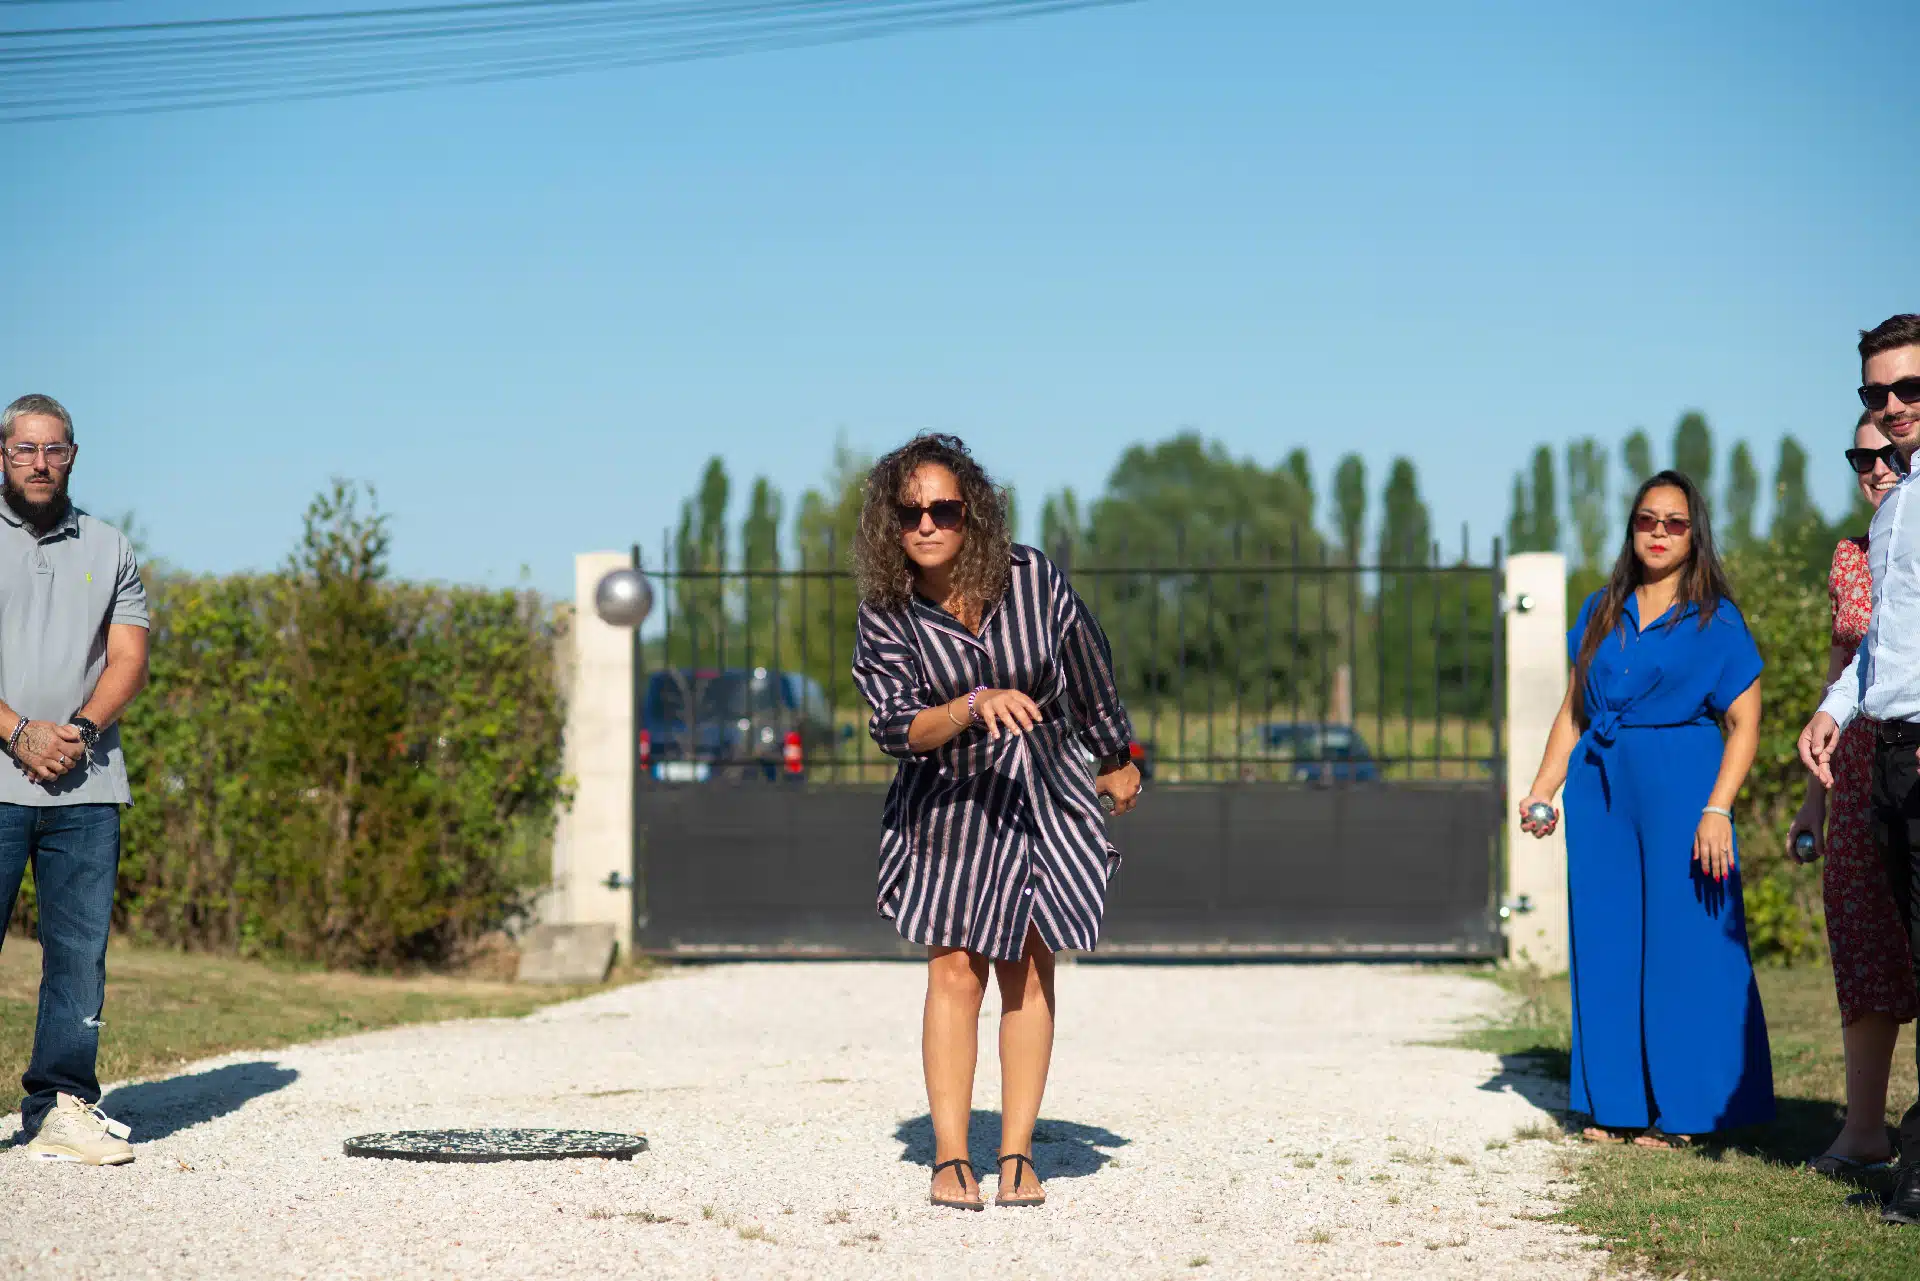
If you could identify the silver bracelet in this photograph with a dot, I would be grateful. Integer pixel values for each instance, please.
(14, 742)
(1715, 809)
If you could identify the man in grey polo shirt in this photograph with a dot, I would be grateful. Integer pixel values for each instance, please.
(73, 653)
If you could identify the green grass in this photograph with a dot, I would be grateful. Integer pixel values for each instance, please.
(1736, 1207)
(166, 1008)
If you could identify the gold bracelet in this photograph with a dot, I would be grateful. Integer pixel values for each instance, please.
(951, 717)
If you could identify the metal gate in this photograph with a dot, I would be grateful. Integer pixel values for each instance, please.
(1322, 743)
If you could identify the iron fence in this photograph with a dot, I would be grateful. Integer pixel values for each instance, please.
(1272, 662)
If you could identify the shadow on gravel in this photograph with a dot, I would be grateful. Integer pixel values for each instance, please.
(1061, 1149)
(156, 1109)
(1538, 1076)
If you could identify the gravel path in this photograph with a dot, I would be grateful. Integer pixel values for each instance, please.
(1201, 1122)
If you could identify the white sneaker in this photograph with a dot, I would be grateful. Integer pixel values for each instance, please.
(80, 1132)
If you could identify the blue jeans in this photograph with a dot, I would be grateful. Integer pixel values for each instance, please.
(75, 850)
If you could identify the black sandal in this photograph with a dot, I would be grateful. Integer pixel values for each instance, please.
(949, 1202)
(1018, 1159)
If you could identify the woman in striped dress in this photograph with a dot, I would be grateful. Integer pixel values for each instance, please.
(993, 686)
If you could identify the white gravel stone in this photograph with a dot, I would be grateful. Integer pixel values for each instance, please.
(1201, 1121)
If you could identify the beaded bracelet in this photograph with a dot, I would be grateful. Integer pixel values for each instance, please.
(18, 729)
(972, 697)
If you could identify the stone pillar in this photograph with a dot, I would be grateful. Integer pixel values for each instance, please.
(1536, 640)
(595, 837)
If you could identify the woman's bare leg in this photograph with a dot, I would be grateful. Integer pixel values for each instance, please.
(1026, 1048)
(949, 1046)
(1869, 1042)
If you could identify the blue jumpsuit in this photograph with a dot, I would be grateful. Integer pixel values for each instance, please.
(1667, 1027)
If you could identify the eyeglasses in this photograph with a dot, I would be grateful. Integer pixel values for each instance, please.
(1874, 395)
(56, 455)
(947, 513)
(1648, 523)
(1863, 461)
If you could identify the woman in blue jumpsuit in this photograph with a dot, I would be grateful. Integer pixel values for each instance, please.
(1659, 728)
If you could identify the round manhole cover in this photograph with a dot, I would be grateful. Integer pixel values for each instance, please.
(496, 1145)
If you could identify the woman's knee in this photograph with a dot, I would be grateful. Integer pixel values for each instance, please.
(956, 975)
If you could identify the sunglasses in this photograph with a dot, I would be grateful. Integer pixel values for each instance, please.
(1648, 523)
(947, 513)
(1874, 395)
(1863, 461)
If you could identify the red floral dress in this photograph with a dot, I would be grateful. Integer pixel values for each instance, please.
(1871, 970)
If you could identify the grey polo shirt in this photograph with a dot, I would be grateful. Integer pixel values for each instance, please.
(58, 593)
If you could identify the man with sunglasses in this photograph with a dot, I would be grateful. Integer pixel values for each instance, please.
(73, 653)
(1883, 680)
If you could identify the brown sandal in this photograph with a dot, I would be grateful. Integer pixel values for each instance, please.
(953, 1203)
(1016, 1201)
(1660, 1139)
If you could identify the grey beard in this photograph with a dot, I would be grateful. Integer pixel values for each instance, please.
(42, 516)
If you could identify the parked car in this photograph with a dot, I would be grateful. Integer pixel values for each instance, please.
(749, 722)
(1319, 753)
(1142, 754)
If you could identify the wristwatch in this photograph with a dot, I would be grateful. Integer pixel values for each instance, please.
(1119, 760)
(89, 732)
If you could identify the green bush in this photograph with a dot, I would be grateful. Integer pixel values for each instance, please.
(335, 767)
(1786, 608)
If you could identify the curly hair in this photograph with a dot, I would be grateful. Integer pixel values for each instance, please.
(880, 562)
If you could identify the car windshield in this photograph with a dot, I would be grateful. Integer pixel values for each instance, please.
(1310, 742)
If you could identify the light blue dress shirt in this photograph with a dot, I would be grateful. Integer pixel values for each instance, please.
(1883, 680)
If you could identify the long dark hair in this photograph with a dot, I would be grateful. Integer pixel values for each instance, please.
(880, 562)
(1703, 583)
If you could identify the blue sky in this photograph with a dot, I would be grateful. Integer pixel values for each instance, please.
(529, 312)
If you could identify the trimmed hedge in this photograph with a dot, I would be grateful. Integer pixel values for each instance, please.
(334, 767)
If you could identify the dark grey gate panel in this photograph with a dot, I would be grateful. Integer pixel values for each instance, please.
(1371, 869)
(1387, 869)
(761, 868)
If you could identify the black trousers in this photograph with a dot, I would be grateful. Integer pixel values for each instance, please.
(1896, 832)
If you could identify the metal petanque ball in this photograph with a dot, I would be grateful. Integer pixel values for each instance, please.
(1804, 845)
(1540, 814)
(623, 598)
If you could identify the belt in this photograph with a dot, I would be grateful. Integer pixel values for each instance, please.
(1603, 729)
(1905, 733)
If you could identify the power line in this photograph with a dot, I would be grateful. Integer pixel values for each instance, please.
(688, 24)
(292, 19)
(189, 66)
(435, 25)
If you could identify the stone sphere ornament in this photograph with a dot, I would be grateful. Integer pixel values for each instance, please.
(1541, 814)
(623, 598)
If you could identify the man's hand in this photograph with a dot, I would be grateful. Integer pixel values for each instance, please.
(1812, 818)
(46, 751)
(1817, 742)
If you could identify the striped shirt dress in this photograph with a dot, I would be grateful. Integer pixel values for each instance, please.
(983, 838)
